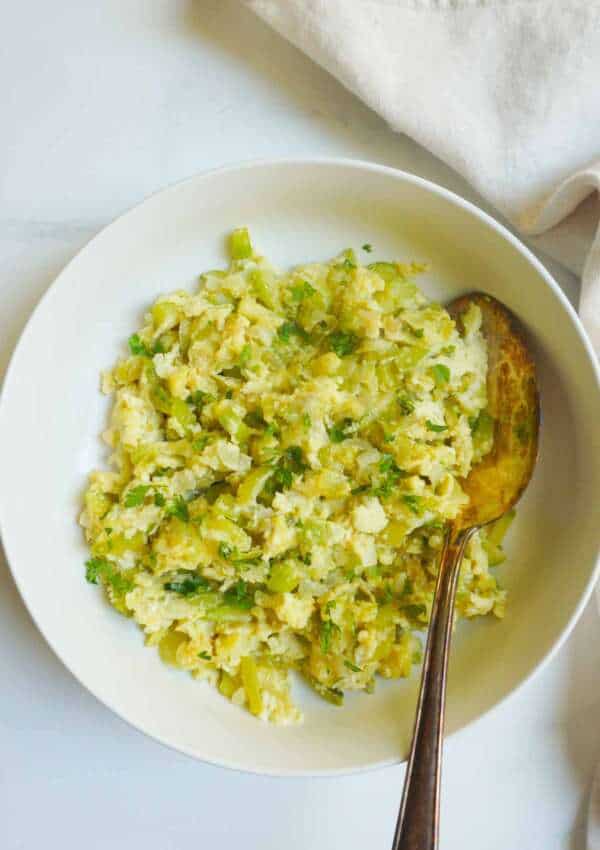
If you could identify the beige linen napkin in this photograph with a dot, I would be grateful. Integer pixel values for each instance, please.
(507, 92)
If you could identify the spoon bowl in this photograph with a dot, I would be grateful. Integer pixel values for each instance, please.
(496, 483)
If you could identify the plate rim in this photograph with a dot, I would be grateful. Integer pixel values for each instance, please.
(325, 161)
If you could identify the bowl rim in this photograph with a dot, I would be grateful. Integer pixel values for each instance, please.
(326, 162)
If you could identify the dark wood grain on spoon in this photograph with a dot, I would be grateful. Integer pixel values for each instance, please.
(494, 486)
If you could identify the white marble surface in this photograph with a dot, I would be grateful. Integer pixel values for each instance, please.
(102, 104)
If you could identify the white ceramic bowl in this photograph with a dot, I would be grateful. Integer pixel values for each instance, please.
(52, 413)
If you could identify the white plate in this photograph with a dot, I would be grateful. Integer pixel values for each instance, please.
(52, 413)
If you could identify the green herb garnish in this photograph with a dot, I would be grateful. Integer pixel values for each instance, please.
(413, 502)
(302, 290)
(272, 430)
(286, 330)
(178, 508)
(109, 575)
(327, 630)
(290, 464)
(136, 496)
(437, 429)
(199, 398)
(352, 666)
(239, 596)
(391, 475)
(136, 346)
(406, 404)
(188, 586)
(340, 432)
(343, 343)
(387, 463)
(226, 550)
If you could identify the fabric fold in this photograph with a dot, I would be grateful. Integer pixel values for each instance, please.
(504, 91)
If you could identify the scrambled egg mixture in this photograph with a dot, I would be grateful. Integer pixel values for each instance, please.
(287, 451)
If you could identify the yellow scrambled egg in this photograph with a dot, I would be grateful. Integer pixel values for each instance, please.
(287, 450)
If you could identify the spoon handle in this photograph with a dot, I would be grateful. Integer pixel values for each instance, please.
(418, 821)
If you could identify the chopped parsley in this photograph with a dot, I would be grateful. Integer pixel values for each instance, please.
(290, 464)
(109, 575)
(341, 431)
(136, 496)
(302, 290)
(204, 656)
(226, 550)
(352, 666)
(391, 474)
(406, 404)
(386, 463)
(136, 346)
(159, 500)
(412, 502)
(199, 398)
(437, 429)
(327, 630)
(188, 586)
(178, 508)
(201, 443)
(367, 247)
(343, 342)
(94, 568)
(239, 596)
(286, 330)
